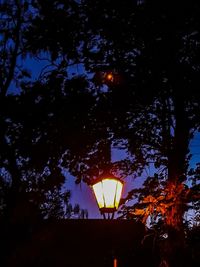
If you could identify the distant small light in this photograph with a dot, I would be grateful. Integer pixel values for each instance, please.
(165, 235)
(110, 77)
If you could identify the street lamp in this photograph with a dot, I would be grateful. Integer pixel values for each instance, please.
(107, 189)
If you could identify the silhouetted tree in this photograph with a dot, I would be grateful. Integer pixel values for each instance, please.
(138, 91)
(156, 55)
(37, 117)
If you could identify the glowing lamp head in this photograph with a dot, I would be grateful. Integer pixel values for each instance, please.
(108, 190)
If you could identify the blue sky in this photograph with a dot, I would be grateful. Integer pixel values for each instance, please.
(82, 193)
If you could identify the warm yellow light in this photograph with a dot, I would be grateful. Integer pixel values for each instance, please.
(110, 77)
(118, 194)
(108, 193)
(98, 191)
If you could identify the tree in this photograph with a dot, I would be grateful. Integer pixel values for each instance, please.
(33, 118)
(18, 178)
(31, 175)
(132, 102)
(157, 54)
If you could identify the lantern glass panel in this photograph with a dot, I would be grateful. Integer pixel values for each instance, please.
(108, 193)
(118, 193)
(98, 191)
(109, 190)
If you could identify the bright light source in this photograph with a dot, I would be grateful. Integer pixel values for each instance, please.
(108, 192)
(110, 77)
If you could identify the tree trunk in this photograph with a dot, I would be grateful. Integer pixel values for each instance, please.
(174, 247)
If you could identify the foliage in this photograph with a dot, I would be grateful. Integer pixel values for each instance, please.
(138, 91)
(36, 116)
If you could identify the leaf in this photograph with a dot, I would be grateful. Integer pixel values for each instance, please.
(149, 199)
(160, 198)
(139, 212)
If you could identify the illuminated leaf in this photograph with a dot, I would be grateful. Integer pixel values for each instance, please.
(139, 212)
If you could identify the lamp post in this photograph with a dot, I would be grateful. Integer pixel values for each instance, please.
(107, 189)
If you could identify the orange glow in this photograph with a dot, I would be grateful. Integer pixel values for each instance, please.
(108, 193)
(110, 77)
(115, 263)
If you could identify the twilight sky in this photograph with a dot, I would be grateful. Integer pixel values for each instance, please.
(81, 193)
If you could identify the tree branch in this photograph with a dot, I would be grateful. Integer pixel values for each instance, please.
(14, 54)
